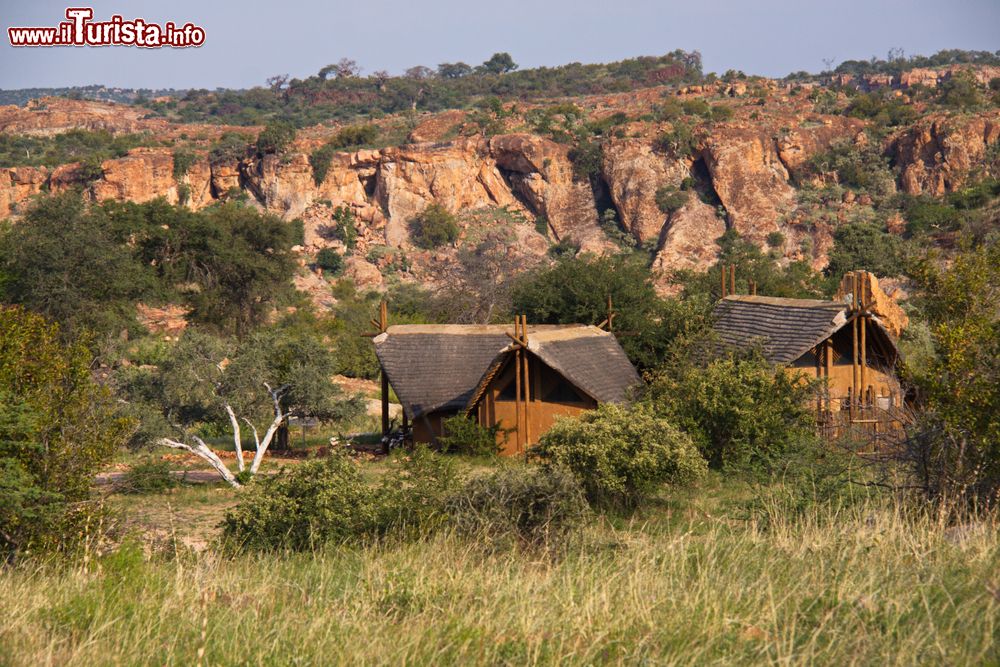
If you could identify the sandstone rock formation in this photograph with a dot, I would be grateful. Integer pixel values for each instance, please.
(937, 155)
(688, 242)
(634, 172)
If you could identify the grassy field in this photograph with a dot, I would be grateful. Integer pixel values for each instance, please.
(697, 579)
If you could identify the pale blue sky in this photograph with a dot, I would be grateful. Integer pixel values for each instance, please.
(249, 41)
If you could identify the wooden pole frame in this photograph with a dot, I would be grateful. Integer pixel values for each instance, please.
(527, 382)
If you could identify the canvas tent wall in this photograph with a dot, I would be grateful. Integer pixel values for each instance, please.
(564, 372)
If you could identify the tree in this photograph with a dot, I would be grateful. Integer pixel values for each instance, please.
(575, 290)
(953, 452)
(57, 427)
(272, 375)
(742, 412)
(67, 263)
(478, 288)
(343, 68)
(863, 246)
(419, 72)
(499, 63)
(453, 70)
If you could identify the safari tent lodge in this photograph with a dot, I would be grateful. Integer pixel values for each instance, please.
(847, 342)
(520, 378)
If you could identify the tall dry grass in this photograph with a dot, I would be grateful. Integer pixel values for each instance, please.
(868, 584)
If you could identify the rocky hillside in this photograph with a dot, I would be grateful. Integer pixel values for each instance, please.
(748, 155)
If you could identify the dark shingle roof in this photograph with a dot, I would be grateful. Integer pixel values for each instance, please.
(590, 358)
(785, 328)
(438, 366)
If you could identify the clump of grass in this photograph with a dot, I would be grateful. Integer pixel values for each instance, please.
(149, 476)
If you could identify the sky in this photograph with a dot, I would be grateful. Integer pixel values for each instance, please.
(246, 42)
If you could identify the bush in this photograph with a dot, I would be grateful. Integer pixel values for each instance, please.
(353, 136)
(182, 162)
(743, 413)
(330, 261)
(231, 147)
(535, 505)
(621, 455)
(304, 508)
(680, 141)
(775, 239)
(147, 477)
(320, 160)
(57, 428)
(863, 246)
(464, 436)
(433, 227)
(669, 199)
(275, 138)
(328, 501)
(344, 229)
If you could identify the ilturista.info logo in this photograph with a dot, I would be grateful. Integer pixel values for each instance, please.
(81, 30)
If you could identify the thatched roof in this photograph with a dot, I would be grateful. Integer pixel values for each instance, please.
(588, 357)
(784, 328)
(438, 367)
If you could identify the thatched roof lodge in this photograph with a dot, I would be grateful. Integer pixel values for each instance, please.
(520, 379)
(850, 342)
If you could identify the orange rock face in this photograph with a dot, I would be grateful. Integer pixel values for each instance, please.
(937, 155)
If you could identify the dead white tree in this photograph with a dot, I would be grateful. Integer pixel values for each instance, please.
(202, 450)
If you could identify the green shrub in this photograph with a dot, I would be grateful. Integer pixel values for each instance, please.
(775, 239)
(304, 508)
(587, 158)
(464, 436)
(320, 160)
(621, 455)
(535, 505)
(275, 138)
(669, 199)
(328, 501)
(183, 194)
(864, 246)
(182, 162)
(231, 147)
(343, 224)
(925, 215)
(721, 112)
(150, 476)
(353, 136)
(680, 141)
(743, 413)
(330, 261)
(57, 429)
(297, 233)
(433, 227)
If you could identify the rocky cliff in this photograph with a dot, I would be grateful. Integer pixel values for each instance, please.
(745, 171)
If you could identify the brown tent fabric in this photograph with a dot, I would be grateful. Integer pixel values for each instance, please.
(438, 367)
(785, 329)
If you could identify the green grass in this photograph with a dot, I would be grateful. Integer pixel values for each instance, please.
(694, 580)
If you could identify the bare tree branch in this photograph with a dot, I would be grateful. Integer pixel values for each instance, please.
(202, 450)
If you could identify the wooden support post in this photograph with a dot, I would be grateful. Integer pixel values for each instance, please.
(864, 357)
(829, 373)
(527, 382)
(383, 324)
(723, 271)
(854, 365)
(732, 279)
(517, 386)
